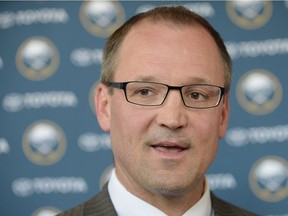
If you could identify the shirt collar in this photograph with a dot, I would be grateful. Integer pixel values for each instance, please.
(126, 204)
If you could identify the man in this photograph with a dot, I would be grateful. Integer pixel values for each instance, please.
(163, 96)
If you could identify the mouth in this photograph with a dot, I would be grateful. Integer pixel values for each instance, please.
(169, 147)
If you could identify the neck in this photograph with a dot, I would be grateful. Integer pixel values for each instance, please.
(173, 203)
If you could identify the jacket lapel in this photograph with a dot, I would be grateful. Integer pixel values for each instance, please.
(100, 204)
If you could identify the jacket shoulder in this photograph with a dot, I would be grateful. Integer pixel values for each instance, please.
(223, 208)
(100, 204)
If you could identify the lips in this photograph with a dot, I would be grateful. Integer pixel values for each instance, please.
(169, 147)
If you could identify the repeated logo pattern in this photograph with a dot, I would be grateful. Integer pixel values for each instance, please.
(44, 142)
(46, 211)
(259, 92)
(53, 150)
(37, 58)
(101, 18)
(249, 14)
(269, 179)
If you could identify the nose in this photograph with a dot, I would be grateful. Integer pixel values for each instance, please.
(172, 114)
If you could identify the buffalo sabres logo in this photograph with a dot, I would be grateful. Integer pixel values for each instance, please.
(37, 58)
(44, 143)
(101, 18)
(46, 211)
(259, 92)
(249, 14)
(269, 179)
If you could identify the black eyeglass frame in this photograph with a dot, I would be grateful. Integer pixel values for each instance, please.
(123, 85)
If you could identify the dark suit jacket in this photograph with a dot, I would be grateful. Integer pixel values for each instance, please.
(101, 205)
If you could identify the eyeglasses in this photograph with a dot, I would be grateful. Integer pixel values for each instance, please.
(199, 96)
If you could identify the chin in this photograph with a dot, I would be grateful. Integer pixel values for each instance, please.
(169, 189)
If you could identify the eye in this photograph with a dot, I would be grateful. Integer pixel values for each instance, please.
(144, 92)
(198, 96)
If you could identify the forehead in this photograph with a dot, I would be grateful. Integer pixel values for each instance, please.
(164, 50)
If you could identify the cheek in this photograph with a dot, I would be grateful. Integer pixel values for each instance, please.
(208, 123)
(128, 123)
(126, 118)
(207, 133)
(128, 128)
(120, 134)
(207, 138)
(216, 125)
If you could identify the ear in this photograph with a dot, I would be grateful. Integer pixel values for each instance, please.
(224, 116)
(102, 106)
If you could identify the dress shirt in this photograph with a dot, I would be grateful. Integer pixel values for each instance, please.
(127, 204)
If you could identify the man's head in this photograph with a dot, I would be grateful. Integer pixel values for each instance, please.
(177, 16)
(164, 150)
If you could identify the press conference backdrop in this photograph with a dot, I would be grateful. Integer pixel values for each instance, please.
(53, 154)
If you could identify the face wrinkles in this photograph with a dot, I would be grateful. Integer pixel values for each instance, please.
(165, 149)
